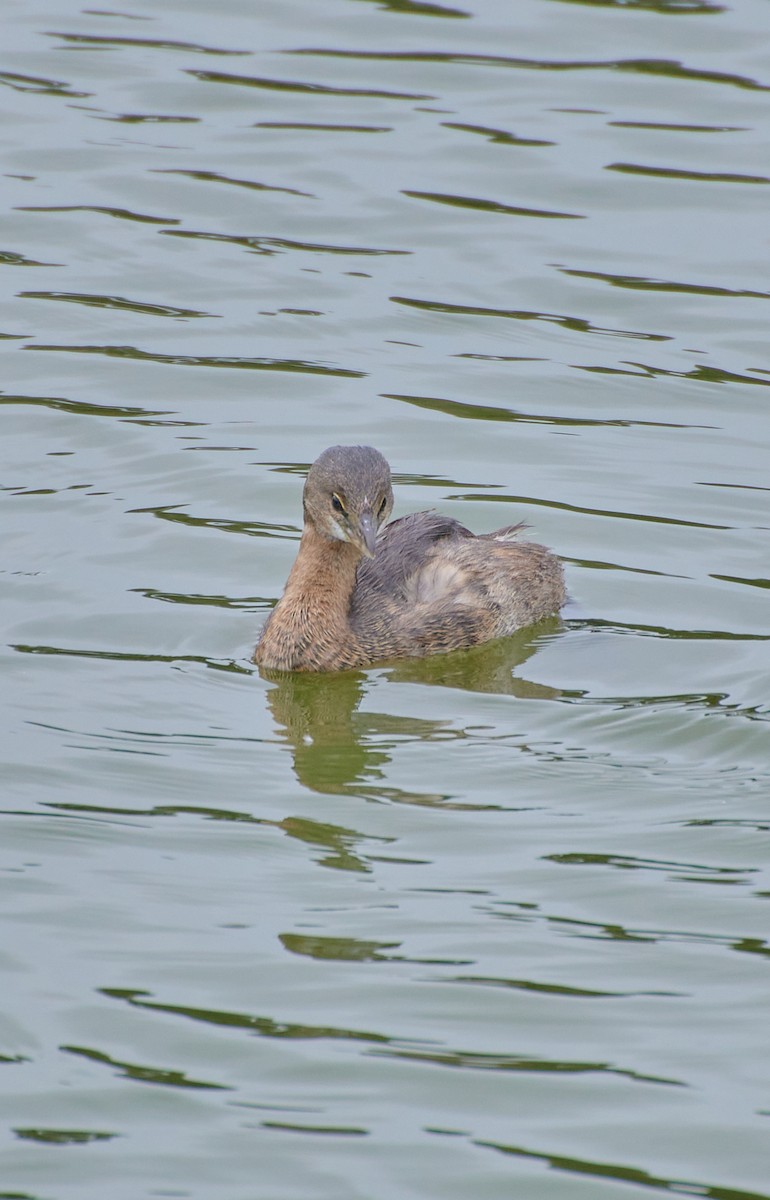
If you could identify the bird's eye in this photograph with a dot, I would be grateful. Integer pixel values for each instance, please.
(337, 504)
(383, 505)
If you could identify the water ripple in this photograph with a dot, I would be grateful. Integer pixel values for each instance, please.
(123, 214)
(465, 1059)
(418, 8)
(120, 303)
(497, 136)
(585, 1168)
(666, 8)
(35, 83)
(576, 324)
(263, 1026)
(681, 872)
(130, 656)
(130, 413)
(58, 1137)
(227, 362)
(317, 127)
(667, 67)
(301, 87)
(678, 173)
(217, 177)
(97, 41)
(273, 245)
(492, 206)
(470, 411)
(163, 1076)
(642, 283)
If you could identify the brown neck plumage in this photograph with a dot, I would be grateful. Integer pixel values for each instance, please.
(310, 625)
(323, 576)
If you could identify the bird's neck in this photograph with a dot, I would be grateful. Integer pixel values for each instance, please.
(309, 628)
(322, 579)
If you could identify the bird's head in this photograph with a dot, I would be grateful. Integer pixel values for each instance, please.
(348, 495)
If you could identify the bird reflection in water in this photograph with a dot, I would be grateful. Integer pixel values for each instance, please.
(340, 749)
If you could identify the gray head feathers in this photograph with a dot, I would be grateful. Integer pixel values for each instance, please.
(357, 471)
(348, 495)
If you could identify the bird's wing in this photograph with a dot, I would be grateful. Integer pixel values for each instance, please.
(403, 547)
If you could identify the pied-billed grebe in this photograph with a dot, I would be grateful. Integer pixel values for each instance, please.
(359, 593)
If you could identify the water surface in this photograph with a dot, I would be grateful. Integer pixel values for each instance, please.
(492, 924)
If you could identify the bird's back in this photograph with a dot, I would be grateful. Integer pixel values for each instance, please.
(435, 586)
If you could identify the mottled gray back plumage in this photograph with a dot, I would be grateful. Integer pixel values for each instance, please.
(403, 547)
